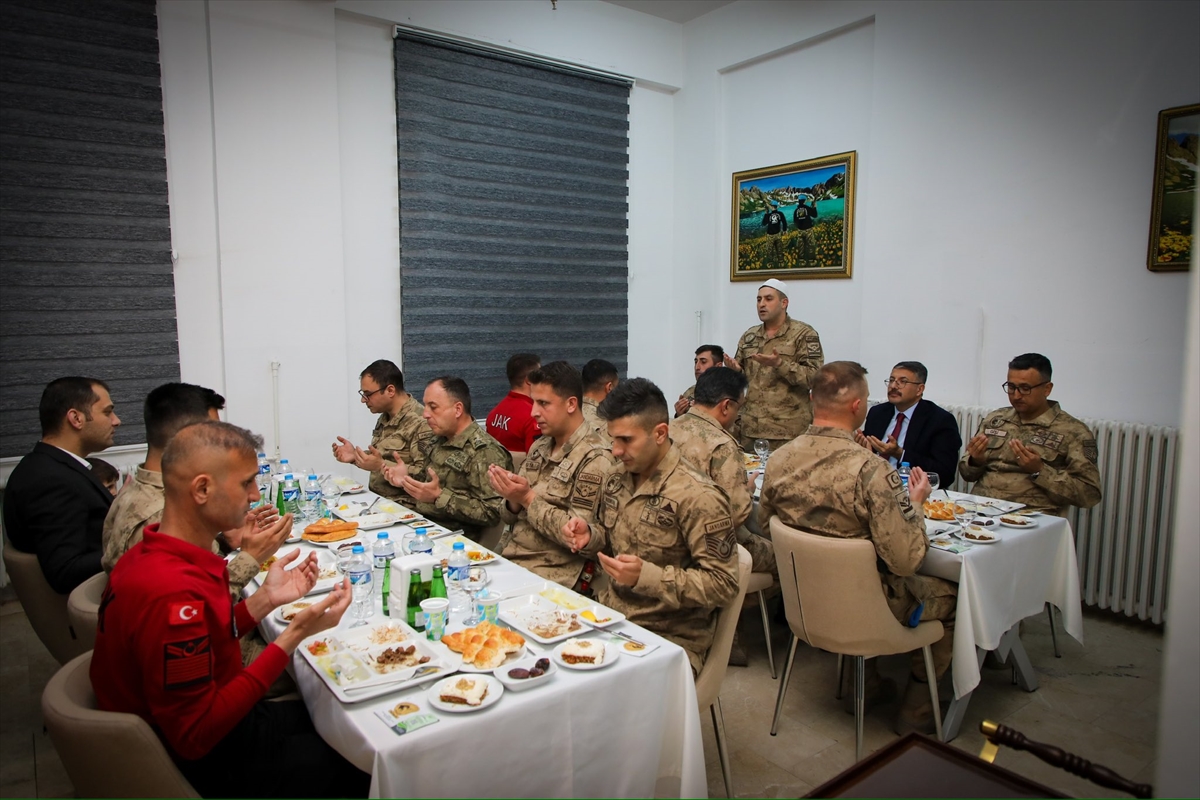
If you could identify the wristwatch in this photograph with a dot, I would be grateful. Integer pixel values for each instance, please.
(1033, 476)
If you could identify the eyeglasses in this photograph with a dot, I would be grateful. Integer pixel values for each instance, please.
(367, 395)
(1023, 390)
(901, 382)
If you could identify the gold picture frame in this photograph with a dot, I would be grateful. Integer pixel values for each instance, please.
(794, 220)
(1172, 229)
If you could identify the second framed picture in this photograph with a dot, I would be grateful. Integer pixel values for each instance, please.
(794, 220)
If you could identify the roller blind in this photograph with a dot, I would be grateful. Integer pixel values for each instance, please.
(513, 213)
(86, 284)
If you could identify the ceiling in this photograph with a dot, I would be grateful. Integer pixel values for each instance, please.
(674, 10)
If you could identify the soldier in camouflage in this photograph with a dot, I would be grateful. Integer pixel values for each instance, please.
(458, 493)
(1034, 452)
(401, 428)
(662, 531)
(825, 483)
(599, 378)
(703, 439)
(560, 477)
(780, 358)
(707, 355)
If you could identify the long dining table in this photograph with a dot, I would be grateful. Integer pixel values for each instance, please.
(631, 728)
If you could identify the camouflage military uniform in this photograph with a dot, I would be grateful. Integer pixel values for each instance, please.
(592, 419)
(825, 483)
(712, 450)
(678, 523)
(567, 484)
(407, 433)
(140, 503)
(461, 464)
(777, 407)
(689, 394)
(1069, 476)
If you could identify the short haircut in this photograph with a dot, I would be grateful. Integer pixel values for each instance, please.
(598, 372)
(718, 352)
(720, 383)
(173, 406)
(104, 471)
(1033, 361)
(835, 380)
(519, 366)
(63, 394)
(385, 374)
(209, 434)
(561, 377)
(457, 389)
(916, 368)
(636, 397)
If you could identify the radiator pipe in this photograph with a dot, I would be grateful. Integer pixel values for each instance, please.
(275, 406)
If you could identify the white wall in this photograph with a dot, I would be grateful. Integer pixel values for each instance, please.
(1005, 158)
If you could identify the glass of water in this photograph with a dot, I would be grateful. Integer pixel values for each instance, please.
(934, 482)
(477, 579)
(763, 449)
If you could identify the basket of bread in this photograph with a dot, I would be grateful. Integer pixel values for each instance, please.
(324, 531)
(942, 510)
(486, 646)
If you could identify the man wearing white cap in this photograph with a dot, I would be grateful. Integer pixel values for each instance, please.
(780, 358)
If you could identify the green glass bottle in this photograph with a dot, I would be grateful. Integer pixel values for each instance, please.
(416, 619)
(438, 587)
(279, 502)
(387, 587)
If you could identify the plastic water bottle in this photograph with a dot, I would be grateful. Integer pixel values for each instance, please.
(358, 570)
(284, 467)
(421, 544)
(382, 553)
(264, 473)
(904, 470)
(312, 497)
(458, 570)
(291, 495)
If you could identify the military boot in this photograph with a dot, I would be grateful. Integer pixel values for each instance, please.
(916, 712)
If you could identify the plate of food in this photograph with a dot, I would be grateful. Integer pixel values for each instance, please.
(362, 663)
(476, 553)
(486, 647)
(977, 535)
(370, 522)
(462, 693)
(327, 571)
(541, 619)
(330, 531)
(288, 611)
(348, 485)
(584, 654)
(1017, 521)
(942, 510)
(991, 507)
(528, 673)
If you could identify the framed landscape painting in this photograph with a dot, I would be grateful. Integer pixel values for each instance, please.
(1173, 203)
(794, 220)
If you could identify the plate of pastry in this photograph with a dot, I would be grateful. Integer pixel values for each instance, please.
(459, 694)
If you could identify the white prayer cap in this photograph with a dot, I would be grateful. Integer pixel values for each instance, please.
(775, 284)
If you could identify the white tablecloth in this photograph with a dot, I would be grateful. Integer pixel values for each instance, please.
(628, 730)
(1000, 584)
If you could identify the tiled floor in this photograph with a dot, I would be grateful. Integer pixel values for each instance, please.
(1100, 702)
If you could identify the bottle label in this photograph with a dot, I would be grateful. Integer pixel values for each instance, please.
(360, 578)
(290, 494)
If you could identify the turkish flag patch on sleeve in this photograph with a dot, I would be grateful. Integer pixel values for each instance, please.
(187, 663)
(187, 613)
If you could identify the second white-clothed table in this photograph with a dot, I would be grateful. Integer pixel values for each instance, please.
(628, 729)
(999, 585)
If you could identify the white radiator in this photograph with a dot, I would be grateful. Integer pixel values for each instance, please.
(1123, 544)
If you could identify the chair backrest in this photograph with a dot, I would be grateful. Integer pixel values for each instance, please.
(832, 594)
(518, 460)
(45, 608)
(708, 682)
(106, 754)
(83, 608)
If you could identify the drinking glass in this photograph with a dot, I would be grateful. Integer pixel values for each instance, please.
(473, 586)
(934, 482)
(331, 493)
(763, 448)
(964, 512)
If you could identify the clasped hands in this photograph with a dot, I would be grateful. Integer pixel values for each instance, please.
(888, 449)
(261, 533)
(766, 359)
(397, 475)
(623, 569)
(514, 488)
(1028, 460)
(370, 459)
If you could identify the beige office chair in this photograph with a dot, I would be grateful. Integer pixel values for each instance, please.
(83, 608)
(833, 600)
(518, 460)
(45, 608)
(106, 754)
(708, 682)
(759, 583)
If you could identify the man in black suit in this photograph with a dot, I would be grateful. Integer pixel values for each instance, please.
(910, 428)
(53, 505)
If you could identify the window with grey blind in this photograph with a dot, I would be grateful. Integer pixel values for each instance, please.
(513, 213)
(86, 284)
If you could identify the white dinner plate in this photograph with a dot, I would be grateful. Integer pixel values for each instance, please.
(995, 536)
(521, 684)
(288, 607)
(610, 655)
(328, 576)
(494, 692)
(1025, 522)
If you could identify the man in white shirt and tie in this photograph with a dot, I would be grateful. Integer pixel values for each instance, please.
(909, 428)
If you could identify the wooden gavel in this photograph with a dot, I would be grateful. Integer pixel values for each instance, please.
(998, 734)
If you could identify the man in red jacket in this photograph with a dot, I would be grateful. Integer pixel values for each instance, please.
(167, 636)
(510, 423)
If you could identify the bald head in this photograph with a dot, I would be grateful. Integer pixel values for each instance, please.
(208, 473)
(839, 395)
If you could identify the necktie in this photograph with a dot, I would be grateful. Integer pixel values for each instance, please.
(899, 424)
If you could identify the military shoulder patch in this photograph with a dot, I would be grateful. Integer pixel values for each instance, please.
(720, 545)
(613, 485)
(1090, 451)
(186, 663)
(995, 432)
